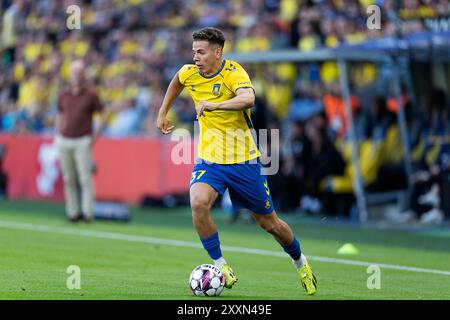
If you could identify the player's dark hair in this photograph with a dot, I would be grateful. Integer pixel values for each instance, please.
(210, 34)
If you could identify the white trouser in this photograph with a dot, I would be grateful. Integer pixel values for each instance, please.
(75, 156)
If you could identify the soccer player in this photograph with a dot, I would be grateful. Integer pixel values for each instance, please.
(223, 95)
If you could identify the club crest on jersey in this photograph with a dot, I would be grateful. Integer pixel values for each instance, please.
(216, 89)
(267, 206)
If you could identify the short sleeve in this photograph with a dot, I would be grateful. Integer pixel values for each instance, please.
(185, 72)
(238, 79)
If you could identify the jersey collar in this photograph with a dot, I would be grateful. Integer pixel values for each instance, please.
(215, 74)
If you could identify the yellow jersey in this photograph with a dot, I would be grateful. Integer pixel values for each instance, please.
(225, 135)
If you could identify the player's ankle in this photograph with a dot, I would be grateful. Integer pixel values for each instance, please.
(220, 262)
(300, 262)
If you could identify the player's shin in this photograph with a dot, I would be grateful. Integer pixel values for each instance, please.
(212, 246)
(294, 251)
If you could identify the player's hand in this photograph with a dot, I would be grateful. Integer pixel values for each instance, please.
(203, 106)
(163, 124)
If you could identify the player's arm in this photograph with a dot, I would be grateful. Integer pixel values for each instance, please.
(245, 98)
(174, 89)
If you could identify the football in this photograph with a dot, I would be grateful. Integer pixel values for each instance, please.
(206, 280)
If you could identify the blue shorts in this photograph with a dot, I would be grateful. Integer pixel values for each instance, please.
(248, 188)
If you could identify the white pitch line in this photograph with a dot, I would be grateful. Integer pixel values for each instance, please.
(189, 244)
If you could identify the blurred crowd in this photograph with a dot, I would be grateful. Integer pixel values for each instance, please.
(133, 48)
(317, 170)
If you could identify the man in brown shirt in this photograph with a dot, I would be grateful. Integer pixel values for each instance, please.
(74, 140)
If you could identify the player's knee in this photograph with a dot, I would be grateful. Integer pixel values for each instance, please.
(199, 204)
(270, 228)
(269, 225)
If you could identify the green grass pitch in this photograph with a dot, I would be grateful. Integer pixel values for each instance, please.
(130, 261)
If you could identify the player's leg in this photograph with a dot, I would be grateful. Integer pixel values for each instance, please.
(283, 234)
(279, 229)
(249, 188)
(202, 197)
(206, 184)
